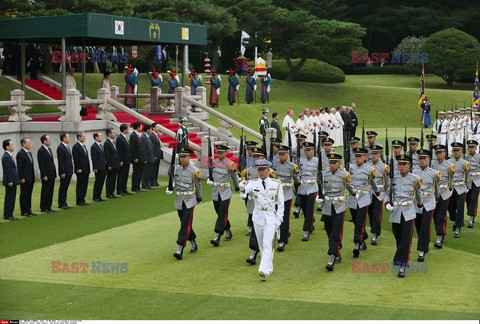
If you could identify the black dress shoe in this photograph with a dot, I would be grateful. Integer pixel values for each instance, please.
(98, 200)
(128, 193)
(178, 254)
(356, 253)
(11, 218)
(81, 204)
(401, 272)
(252, 260)
(26, 214)
(46, 211)
(64, 207)
(296, 214)
(281, 247)
(32, 214)
(338, 259)
(111, 197)
(52, 210)
(229, 235)
(214, 242)
(194, 246)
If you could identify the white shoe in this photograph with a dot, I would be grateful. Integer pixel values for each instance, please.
(263, 276)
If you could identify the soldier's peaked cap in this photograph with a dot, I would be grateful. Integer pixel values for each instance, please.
(221, 148)
(185, 152)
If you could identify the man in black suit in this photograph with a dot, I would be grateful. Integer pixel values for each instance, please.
(82, 168)
(137, 155)
(26, 175)
(124, 156)
(149, 157)
(99, 166)
(65, 169)
(113, 162)
(158, 153)
(354, 117)
(10, 180)
(48, 174)
(275, 125)
(347, 120)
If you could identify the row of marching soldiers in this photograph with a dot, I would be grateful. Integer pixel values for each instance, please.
(457, 126)
(417, 185)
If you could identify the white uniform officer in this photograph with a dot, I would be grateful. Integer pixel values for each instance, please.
(267, 216)
(441, 127)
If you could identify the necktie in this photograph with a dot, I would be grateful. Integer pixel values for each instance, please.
(263, 183)
(85, 149)
(50, 152)
(30, 156)
(114, 145)
(101, 146)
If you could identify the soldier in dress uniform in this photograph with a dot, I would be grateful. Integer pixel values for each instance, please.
(382, 172)
(275, 159)
(446, 170)
(371, 138)
(397, 147)
(263, 122)
(354, 142)
(430, 192)
(250, 145)
(441, 128)
(473, 181)
(188, 191)
(456, 205)
(363, 180)
(327, 149)
(267, 217)
(223, 170)
(182, 133)
(412, 153)
(308, 188)
(406, 193)
(335, 182)
(296, 158)
(452, 129)
(287, 172)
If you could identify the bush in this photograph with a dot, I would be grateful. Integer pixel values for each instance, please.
(386, 69)
(312, 71)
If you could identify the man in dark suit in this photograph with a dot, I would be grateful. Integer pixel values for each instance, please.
(99, 166)
(354, 117)
(65, 169)
(275, 125)
(48, 173)
(347, 120)
(27, 176)
(158, 153)
(113, 162)
(124, 156)
(149, 157)
(81, 167)
(10, 180)
(137, 155)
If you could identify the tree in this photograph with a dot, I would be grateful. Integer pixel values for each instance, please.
(451, 54)
(298, 34)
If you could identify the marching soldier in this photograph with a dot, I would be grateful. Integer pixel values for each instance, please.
(441, 127)
(286, 172)
(473, 181)
(397, 147)
(327, 149)
(452, 129)
(268, 214)
(307, 191)
(430, 193)
(223, 170)
(363, 181)
(354, 141)
(371, 138)
(406, 192)
(446, 170)
(412, 154)
(250, 145)
(474, 126)
(275, 158)
(188, 190)
(182, 134)
(456, 205)
(263, 122)
(297, 154)
(335, 182)
(381, 179)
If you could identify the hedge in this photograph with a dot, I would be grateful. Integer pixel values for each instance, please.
(312, 71)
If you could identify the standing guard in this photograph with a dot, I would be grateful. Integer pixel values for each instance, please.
(473, 181)
(182, 134)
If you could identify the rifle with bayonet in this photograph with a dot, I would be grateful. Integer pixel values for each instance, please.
(290, 144)
(387, 150)
(171, 169)
(363, 133)
(320, 170)
(210, 158)
(241, 157)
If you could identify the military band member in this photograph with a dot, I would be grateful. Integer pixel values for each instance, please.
(473, 181)
(308, 188)
(188, 192)
(474, 128)
(182, 133)
(224, 170)
(287, 173)
(430, 192)
(412, 153)
(441, 127)
(363, 180)
(268, 213)
(446, 170)
(382, 172)
(406, 193)
(456, 205)
(335, 182)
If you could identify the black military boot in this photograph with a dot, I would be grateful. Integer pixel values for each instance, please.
(229, 235)
(253, 258)
(178, 254)
(306, 236)
(216, 239)
(194, 246)
(439, 242)
(356, 250)
(330, 263)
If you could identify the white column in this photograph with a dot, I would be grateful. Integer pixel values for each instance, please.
(104, 110)
(179, 94)
(114, 92)
(18, 112)
(72, 107)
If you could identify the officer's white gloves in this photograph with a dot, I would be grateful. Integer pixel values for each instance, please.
(278, 222)
(277, 231)
(168, 192)
(357, 195)
(389, 207)
(237, 87)
(243, 195)
(319, 200)
(255, 88)
(209, 182)
(242, 185)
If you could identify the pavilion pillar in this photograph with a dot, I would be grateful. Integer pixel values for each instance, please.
(184, 65)
(22, 62)
(64, 67)
(84, 63)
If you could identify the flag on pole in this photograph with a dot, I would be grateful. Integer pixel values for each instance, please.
(476, 89)
(243, 40)
(422, 87)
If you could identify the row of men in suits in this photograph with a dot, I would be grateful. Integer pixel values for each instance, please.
(110, 162)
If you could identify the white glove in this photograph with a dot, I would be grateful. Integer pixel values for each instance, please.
(278, 221)
(319, 200)
(255, 88)
(357, 196)
(168, 192)
(200, 77)
(218, 91)
(242, 185)
(210, 182)
(277, 230)
(243, 195)
(389, 207)
(237, 87)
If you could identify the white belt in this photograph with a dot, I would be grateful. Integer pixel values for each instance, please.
(309, 181)
(286, 184)
(380, 186)
(426, 194)
(185, 193)
(475, 173)
(221, 184)
(265, 208)
(340, 198)
(443, 186)
(459, 183)
(363, 190)
(405, 203)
